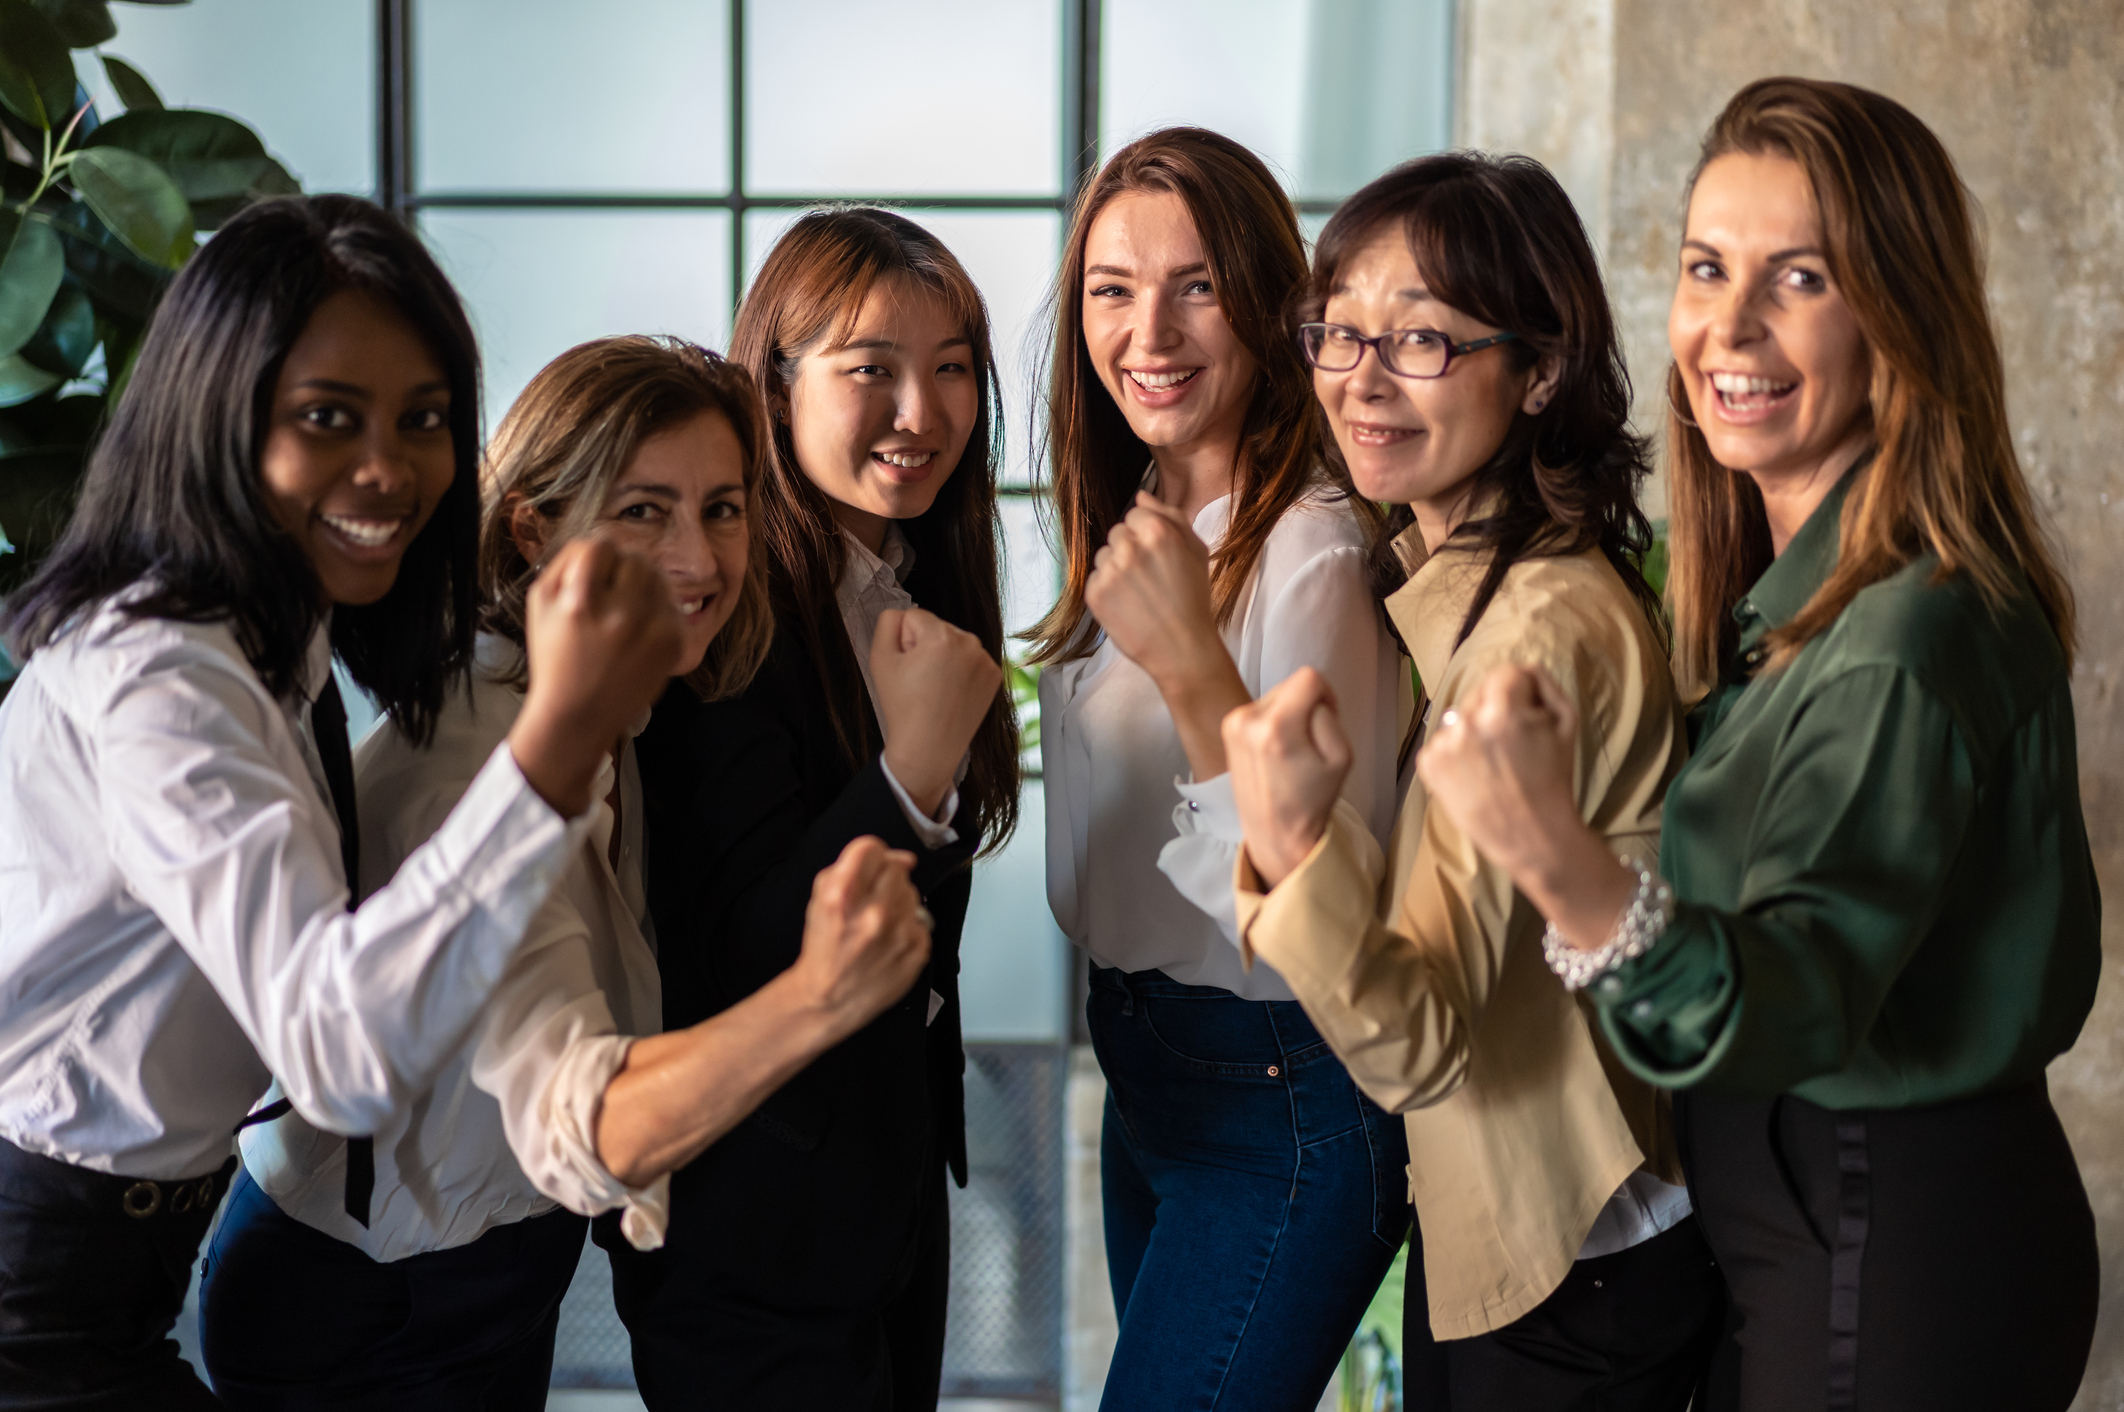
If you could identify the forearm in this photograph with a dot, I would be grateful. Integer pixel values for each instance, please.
(1573, 879)
(1199, 694)
(680, 1092)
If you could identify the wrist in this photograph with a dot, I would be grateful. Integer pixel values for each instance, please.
(807, 1013)
(922, 781)
(550, 762)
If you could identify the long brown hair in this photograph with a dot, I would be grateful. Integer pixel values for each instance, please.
(1497, 238)
(1944, 479)
(806, 299)
(571, 434)
(1095, 462)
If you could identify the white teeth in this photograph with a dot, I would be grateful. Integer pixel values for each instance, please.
(692, 606)
(1737, 383)
(367, 533)
(1158, 382)
(905, 460)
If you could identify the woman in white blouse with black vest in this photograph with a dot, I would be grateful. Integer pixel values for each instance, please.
(288, 476)
(553, 1110)
(1252, 1194)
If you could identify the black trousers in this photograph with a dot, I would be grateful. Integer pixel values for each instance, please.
(699, 1347)
(1895, 1260)
(93, 1270)
(293, 1318)
(1628, 1332)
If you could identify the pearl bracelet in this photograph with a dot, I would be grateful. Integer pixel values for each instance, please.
(1641, 925)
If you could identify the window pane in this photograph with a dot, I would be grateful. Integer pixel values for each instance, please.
(1013, 959)
(539, 282)
(1329, 92)
(1032, 575)
(303, 77)
(933, 97)
(1011, 256)
(556, 95)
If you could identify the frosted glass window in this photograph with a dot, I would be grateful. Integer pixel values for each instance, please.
(1013, 959)
(557, 95)
(539, 282)
(922, 97)
(303, 77)
(1011, 256)
(1329, 92)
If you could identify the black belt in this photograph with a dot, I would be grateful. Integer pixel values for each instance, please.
(107, 1194)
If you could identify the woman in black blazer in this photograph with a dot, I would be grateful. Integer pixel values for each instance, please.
(809, 1251)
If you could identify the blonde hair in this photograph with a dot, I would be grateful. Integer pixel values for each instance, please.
(569, 437)
(1944, 479)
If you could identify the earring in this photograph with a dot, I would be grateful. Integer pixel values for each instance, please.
(1676, 410)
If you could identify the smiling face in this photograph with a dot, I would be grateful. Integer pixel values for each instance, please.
(1155, 330)
(358, 449)
(1418, 441)
(681, 504)
(1772, 357)
(879, 423)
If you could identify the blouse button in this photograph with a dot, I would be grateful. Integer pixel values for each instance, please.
(1755, 656)
(1610, 985)
(1642, 1010)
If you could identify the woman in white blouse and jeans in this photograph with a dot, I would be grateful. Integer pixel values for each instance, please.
(452, 1288)
(1252, 1194)
(289, 475)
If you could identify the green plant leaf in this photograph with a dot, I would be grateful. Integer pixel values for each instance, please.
(20, 380)
(63, 342)
(272, 180)
(83, 24)
(130, 85)
(36, 71)
(134, 197)
(30, 271)
(207, 155)
(124, 286)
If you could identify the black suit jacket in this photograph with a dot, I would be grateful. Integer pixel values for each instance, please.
(814, 1199)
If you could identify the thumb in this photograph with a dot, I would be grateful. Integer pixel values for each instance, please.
(885, 642)
(1324, 724)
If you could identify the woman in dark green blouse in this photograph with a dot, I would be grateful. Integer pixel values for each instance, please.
(1879, 920)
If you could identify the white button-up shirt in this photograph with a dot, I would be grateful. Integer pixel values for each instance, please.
(1144, 882)
(173, 923)
(509, 1128)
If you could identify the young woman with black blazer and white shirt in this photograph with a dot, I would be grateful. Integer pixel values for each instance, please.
(809, 1253)
(288, 477)
(553, 1110)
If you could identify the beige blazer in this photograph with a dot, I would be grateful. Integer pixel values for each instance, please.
(1429, 980)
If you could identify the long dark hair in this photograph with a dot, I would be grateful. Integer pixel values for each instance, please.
(1945, 479)
(1249, 230)
(173, 500)
(1497, 239)
(807, 297)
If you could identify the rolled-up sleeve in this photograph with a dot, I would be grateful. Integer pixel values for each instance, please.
(547, 1050)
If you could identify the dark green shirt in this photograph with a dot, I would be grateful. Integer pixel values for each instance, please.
(1885, 892)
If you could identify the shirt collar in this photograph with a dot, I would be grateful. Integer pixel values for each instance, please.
(1429, 609)
(889, 569)
(1809, 558)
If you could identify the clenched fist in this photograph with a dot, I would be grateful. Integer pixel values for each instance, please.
(1150, 589)
(935, 685)
(1288, 758)
(602, 638)
(866, 935)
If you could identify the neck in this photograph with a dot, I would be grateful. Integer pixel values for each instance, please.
(1190, 476)
(1792, 494)
(1439, 515)
(868, 529)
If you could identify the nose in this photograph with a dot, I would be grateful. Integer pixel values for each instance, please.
(386, 466)
(1736, 317)
(916, 410)
(1370, 380)
(1153, 328)
(687, 553)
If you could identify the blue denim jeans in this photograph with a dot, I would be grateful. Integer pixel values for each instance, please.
(1254, 1198)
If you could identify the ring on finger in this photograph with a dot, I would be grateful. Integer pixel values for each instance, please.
(1450, 719)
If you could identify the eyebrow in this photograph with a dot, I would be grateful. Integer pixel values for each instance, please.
(888, 346)
(666, 492)
(354, 389)
(1416, 295)
(1200, 267)
(1790, 253)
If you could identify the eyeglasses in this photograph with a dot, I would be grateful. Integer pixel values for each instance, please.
(1404, 352)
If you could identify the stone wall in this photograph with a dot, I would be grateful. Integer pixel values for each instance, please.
(2029, 97)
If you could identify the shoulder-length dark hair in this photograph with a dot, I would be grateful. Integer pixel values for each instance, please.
(806, 299)
(1944, 479)
(569, 437)
(173, 496)
(1497, 239)
(1249, 230)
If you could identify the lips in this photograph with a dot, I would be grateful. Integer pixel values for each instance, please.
(1750, 397)
(1375, 434)
(365, 531)
(905, 466)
